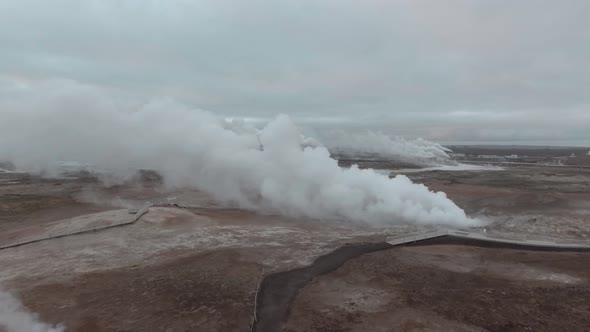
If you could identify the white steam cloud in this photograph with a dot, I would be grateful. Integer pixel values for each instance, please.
(418, 151)
(266, 170)
(16, 318)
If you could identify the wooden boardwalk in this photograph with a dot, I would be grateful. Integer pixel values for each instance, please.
(51, 236)
(489, 239)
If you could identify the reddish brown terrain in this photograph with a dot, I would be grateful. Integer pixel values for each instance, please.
(213, 291)
(197, 268)
(448, 288)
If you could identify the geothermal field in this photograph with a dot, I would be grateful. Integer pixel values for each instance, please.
(294, 166)
(173, 219)
(270, 231)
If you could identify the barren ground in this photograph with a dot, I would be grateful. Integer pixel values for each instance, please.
(449, 288)
(197, 269)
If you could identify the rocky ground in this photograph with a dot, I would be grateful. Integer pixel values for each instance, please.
(197, 268)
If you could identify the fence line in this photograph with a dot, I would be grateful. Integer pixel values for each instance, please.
(255, 314)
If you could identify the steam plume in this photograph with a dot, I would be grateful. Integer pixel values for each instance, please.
(418, 151)
(266, 170)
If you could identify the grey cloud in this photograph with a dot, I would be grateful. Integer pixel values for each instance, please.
(445, 71)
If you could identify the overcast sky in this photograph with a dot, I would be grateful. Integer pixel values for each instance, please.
(494, 71)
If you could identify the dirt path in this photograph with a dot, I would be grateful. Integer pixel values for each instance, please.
(448, 288)
(278, 290)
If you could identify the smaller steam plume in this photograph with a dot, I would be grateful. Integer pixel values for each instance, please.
(419, 152)
(16, 318)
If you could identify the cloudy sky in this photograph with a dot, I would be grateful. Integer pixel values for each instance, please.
(463, 70)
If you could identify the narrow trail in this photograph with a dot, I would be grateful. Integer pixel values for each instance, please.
(278, 290)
